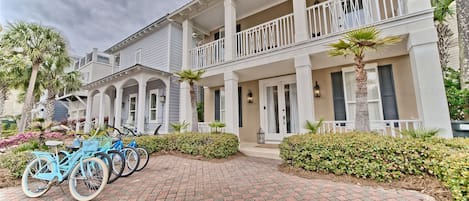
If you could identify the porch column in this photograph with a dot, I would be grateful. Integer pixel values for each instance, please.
(89, 105)
(428, 81)
(299, 16)
(185, 110)
(77, 120)
(304, 85)
(101, 109)
(413, 6)
(118, 107)
(230, 30)
(166, 105)
(111, 110)
(231, 103)
(142, 86)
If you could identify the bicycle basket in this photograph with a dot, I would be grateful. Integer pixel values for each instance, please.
(104, 142)
(90, 145)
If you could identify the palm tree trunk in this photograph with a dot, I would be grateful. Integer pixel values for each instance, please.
(462, 8)
(28, 99)
(362, 118)
(50, 105)
(444, 36)
(195, 121)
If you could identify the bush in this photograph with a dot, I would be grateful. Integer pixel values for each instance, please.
(15, 162)
(206, 145)
(381, 158)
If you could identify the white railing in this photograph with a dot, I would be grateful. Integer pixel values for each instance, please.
(342, 15)
(208, 54)
(264, 37)
(383, 127)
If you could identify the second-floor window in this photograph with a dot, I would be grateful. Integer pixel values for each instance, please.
(138, 56)
(117, 60)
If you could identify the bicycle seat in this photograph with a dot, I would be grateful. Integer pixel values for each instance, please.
(52, 143)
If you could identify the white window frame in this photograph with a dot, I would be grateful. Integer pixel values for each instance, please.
(347, 102)
(222, 106)
(155, 92)
(117, 64)
(138, 56)
(136, 108)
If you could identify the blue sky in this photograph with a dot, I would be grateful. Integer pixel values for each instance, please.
(88, 23)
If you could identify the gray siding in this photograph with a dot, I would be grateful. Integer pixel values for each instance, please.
(60, 112)
(154, 51)
(176, 48)
(174, 102)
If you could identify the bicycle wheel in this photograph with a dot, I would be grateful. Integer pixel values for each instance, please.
(34, 187)
(107, 159)
(144, 158)
(131, 161)
(88, 178)
(118, 165)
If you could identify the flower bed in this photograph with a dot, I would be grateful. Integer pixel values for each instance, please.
(382, 158)
(26, 137)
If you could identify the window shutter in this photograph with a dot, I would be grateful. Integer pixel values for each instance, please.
(388, 93)
(216, 36)
(338, 96)
(240, 107)
(217, 105)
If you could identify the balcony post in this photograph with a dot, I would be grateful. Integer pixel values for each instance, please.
(299, 16)
(230, 29)
(231, 102)
(432, 105)
(304, 85)
(413, 6)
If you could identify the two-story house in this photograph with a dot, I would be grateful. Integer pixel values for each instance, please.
(267, 65)
(138, 89)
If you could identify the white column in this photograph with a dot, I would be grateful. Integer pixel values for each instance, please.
(89, 105)
(111, 110)
(166, 105)
(77, 120)
(304, 84)
(184, 96)
(230, 30)
(142, 86)
(231, 103)
(118, 107)
(428, 81)
(101, 109)
(299, 15)
(413, 6)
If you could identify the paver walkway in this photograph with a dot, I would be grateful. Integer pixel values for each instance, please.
(243, 178)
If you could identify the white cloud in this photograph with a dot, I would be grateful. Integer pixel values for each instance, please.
(88, 23)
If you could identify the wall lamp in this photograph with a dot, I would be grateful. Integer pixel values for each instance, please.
(250, 98)
(162, 98)
(317, 90)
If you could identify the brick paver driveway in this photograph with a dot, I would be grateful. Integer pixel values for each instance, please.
(243, 178)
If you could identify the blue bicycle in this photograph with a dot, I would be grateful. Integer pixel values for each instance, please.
(143, 155)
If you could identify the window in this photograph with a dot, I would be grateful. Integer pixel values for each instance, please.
(117, 60)
(103, 59)
(220, 105)
(138, 56)
(153, 109)
(374, 97)
(132, 109)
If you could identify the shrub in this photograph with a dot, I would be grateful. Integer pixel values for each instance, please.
(217, 125)
(15, 162)
(178, 127)
(423, 133)
(206, 145)
(313, 127)
(381, 158)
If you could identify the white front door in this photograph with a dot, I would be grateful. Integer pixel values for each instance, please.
(279, 108)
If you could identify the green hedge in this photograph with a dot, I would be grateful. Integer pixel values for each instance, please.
(15, 162)
(206, 145)
(382, 158)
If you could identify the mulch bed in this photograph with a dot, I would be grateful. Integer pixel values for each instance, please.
(424, 184)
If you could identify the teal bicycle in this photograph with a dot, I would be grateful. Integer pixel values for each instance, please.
(87, 175)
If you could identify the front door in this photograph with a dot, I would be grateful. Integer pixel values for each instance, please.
(279, 108)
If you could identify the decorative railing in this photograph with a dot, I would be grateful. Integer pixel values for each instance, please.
(271, 35)
(208, 54)
(341, 15)
(383, 127)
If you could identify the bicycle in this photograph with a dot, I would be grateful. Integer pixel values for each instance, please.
(80, 167)
(142, 152)
(131, 156)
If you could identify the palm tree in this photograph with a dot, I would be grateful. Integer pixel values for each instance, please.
(191, 77)
(36, 44)
(55, 80)
(462, 8)
(442, 11)
(356, 43)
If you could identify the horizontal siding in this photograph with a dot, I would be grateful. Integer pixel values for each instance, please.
(176, 48)
(173, 102)
(154, 51)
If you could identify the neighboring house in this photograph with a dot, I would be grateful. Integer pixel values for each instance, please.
(267, 66)
(12, 105)
(136, 87)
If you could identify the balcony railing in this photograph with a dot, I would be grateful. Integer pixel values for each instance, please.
(271, 35)
(341, 15)
(383, 127)
(208, 54)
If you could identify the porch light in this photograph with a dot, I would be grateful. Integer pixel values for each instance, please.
(250, 98)
(317, 90)
(162, 98)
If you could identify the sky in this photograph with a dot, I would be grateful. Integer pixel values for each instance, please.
(88, 24)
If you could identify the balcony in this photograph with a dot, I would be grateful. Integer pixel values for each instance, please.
(323, 19)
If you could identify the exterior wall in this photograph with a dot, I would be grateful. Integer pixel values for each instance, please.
(454, 48)
(154, 49)
(175, 46)
(173, 102)
(405, 93)
(12, 106)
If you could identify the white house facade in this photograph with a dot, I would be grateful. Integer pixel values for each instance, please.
(267, 66)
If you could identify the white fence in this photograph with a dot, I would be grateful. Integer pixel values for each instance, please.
(208, 54)
(384, 127)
